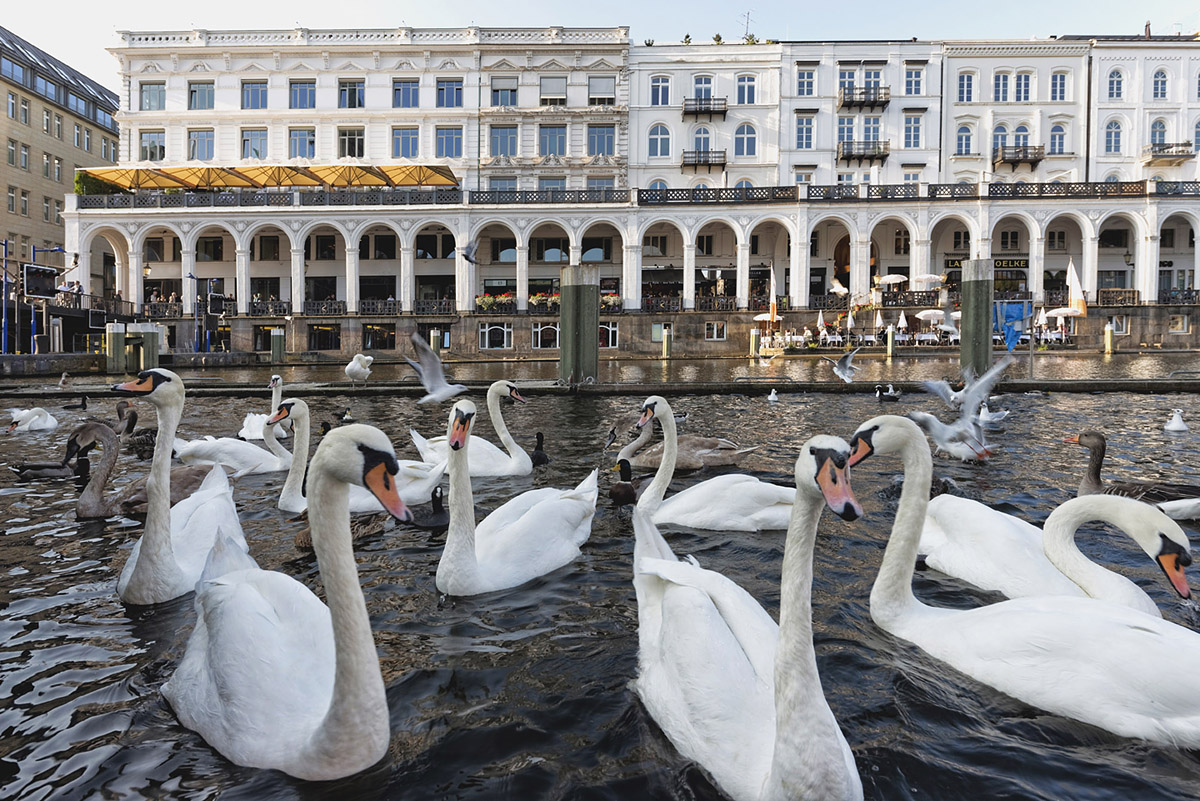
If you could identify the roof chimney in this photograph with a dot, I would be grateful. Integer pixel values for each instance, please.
(1147, 29)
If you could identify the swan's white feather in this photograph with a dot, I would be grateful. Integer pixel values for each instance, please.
(731, 502)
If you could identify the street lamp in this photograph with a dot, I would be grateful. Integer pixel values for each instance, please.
(45, 304)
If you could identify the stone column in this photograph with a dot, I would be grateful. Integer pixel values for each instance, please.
(241, 275)
(1089, 270)
(798, 272)
(1036, 281)
(522, 278)
(1145, 270)
(1195, 282)
(743, 275)
(187, 266)
(83, 272)
(351, 280)
(918, 261)
(464, 282)
(133, 276)
(689, 276)
(860, 271)
(408, 278)
(298, 280)
(579, 320)
(631, 278)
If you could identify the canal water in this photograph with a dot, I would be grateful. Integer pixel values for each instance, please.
(525, 693)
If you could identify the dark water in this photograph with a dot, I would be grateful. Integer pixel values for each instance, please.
(524, 694)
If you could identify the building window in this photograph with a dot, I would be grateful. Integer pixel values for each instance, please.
(24, 165)
(302, 143)
(1021, 136)
(962, 241)
(902, 243)
(58, 126)
(1160, 85)
(406, 93)
(351, 142)
(326, 247)
(872, 79)
(45, 165)
(45, 209)
(12, 200)
(1179, 324)
(1058, 140)
(746, 183)
(966, 87)
(200, 145)
(448, 142)
(745, 90)
(1196, 137)
(608, 334)
(845, 177)
(1058, 87)
(714, 330)
(254, 94)
(845, 80)
(654, 245)
(506, 183)
(704, 245)
(805, 85)
(804, 133)
(325, 337)
(657, 184)
(745, 140)
(601, 182)
(153, 145)
(495, 336)
(12, 152)
(1000, 87)
(12, 70)
(602, 90)
(660, 91)
(912, 131)
(1166, 239)
(350, 93)
(1116, 83)
(601, 140)
(302, 94)
(1158, 133)
(1112, 137)
(552, 140)
(551, 183)
(1010, 240)
(660, 141)
(254, 143)
(845, 129)
(962, 144)
(999, 137)
(405, 143)
(200, 96)
(1021, 87)
(210, 248)
(702, 139)
(554, 91)
(912, 177)
(504, 90)
(154, 97)
(24, 203)
(545, 336)
(912, 80)
(871, 129)
(58, 168)
(1056, 240)
(702, 87)
(504, 140)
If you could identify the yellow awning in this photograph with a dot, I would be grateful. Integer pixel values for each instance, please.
(279, 175)
(136, 178)
(348, 175)
(209, 177)
(259, 175)
(418, 175)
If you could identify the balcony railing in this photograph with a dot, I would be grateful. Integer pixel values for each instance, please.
(81, 302)
(1118, 297)
(1092, 189)
(1177, 188)
(381, 197)
(828, 302)
(893, 191)
(662, 304)
(437, 306)
(516, 197)
(869, 150)
(1173, 153)
(162, 309)
(1020, 154)
(297, 197)
(763, 303)
(375, 306)
(1179, 297)
(698, 195)
(270, 308)
(1057, 297)
(709, 303)
(832, 192)
(694, 106)
(910, 298)
(938, 191)
(491, 305)
(704, 158)
(324, 308)
(864, 96)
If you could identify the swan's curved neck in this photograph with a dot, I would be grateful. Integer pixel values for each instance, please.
(276, 398)
(156, 566)
(633, 447)
(272, 443)
(358, 692)
(510, 445)
(291, 499)
(804, 724)
(458, 557)
(654, 494)
(1058, 543)
(91, 500)
(892, 595)
(1092, 483)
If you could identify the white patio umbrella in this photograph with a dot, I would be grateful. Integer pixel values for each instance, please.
(878, 319)
(821, 319)
(902, 323)
(925, 278)
(1064, 311)
(849, 320)
(1041, 318)
(765, 316)
(893, 279)
(929, 315)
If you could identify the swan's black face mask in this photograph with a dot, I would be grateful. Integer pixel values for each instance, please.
(647, 414)
(861, 447)
(282, 413)
(1172, 558)
(460, 429)
(516, 396)
(147, 382)
(379, 476)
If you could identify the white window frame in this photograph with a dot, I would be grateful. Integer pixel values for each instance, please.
(715, 330)
(1058, 87)
(966, 87)
(912, 131)
(1056, 239)
(1000, 86)
(804, 132)
(660, 90)
(747, 90)
(485, 329)
(1159, 85)
(806, 82)
(963, 140)
(914, 77)
(538, 329)
(659, 141)
(614, 329)
(1116, 84)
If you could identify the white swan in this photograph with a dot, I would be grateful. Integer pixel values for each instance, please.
(733, 691)
(35, 419)
(694, 452)
(534, 533)
(486, 459)
(253, 422)
(273, 678)
(730, 502)
(414, 481)
(240, 456)
(1094, 661)
(169, 558)
(359, 368)
(1002, 553)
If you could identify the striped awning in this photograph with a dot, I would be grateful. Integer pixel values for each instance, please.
(260, 175)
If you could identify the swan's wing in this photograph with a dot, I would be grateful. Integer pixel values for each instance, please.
(252, 425)
(540, 526)
(734, 502)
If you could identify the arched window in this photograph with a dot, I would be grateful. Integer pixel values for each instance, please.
(1196, 137)
(1021, 136)
(1058, 140)
(1158, 178)
(1112, 177)
(999, 137)
(702, 185)
(657, 184)
(743, 184)
(745, 140)
(963, 141)
(1116, 83)
(1158, 132)
(1112, 137)
(702, 85)
(1160, 85)
(660, 141)
(703, 139)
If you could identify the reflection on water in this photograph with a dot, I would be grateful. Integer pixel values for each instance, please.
(524, 693)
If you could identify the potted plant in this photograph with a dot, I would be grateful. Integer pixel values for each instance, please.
(485, 302)
(611, 301)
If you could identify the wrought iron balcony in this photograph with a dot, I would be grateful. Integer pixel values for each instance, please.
(325, 308)
(751, 194)
(1091, 189)
(708, 303)
(1172, 154)
(910, 298)
(953, 190)
(864, 97)
(436, 306)
(270, 308)
(829, 302)
(294, 197)
(1179, 297)
(763, 303)
(514, 197)
(162, 309)
(662, 304)
(376, 306)
(833, 192)
(704, 158)
(870, 150)
(1019, 154)
(707, 106)
(1117, 297)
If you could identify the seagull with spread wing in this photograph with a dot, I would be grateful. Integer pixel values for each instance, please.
(842, 368)
(430, 372)
(964, 438)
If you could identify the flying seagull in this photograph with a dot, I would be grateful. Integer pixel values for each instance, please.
(842, 368)
(430, 371)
